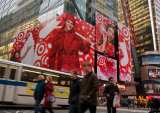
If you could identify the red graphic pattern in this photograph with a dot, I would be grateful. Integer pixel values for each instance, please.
(43, 46)
(125, 54)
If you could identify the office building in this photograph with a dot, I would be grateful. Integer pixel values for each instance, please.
(108, 8)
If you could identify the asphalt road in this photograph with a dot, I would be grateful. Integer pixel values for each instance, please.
(99, 110)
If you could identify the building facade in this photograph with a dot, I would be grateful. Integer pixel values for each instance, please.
(145, 22)
(108, 8)
(143, 19)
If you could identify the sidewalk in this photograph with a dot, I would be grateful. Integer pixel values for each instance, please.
(136, 110)
(23, 107)
(30, 107)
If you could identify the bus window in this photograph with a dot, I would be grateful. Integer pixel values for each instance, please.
(12, 74)
(2, 71)
(29, 76)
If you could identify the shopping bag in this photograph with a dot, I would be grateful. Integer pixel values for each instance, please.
(116, 101)
(51, 98)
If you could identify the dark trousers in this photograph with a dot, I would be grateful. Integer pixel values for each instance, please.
(73, 108)
(85, 106)
(38, 107)
(49, 108)
(110, 107)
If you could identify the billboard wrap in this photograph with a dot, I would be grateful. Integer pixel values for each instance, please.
(61, 43)
(64, 42)
(125, 58)
(105, 35)
(106, 67)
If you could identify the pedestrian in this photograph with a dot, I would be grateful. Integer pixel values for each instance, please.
(155, 105)
(39, 93)
(110, 91)
(88, 90)
(48, 95)
(74, 93)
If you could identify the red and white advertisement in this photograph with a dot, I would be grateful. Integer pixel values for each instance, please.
(125, 57)
(105, 35)
(106, 67)
(60, 43)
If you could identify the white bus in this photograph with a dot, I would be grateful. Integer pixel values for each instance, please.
(17, 83)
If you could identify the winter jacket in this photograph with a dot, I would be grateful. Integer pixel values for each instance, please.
(88, 89)
(74, 91)
(110, 90)
(48, 92)
(39, 90)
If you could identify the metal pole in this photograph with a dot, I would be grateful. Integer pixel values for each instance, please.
(117, 50)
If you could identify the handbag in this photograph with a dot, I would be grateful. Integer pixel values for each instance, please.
(116, 101)
(51, 98)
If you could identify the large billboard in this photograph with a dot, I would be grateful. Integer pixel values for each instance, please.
(105, 45)
(105, 35)
(61, 43)
(125, 57)
(106, 67)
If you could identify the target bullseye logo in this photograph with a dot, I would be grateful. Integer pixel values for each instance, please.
(101, 60)
(20, 36)
(37, 63)
(125, 32)
(44, 60)
(41, 49)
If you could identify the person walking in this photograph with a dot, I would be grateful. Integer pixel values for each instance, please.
(88, 90)
(74, 93)
(110, 91)
(39, 93)
(48, 95)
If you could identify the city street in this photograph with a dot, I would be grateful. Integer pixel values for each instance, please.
(100, 110)
(55, 53)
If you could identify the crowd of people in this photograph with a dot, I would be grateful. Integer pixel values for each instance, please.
(83, 93)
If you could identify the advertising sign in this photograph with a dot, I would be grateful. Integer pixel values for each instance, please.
(154, 73)
(125, 58)
(105, 35)
(106, 67)
(61, 43)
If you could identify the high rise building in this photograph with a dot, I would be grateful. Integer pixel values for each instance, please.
(145, 21)
(143, 18)
(121, 17)
(108, 8)
(156, 13)
(83, 8)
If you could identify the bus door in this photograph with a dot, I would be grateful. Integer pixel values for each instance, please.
(9, 82)
(25, 94)
(2, 71)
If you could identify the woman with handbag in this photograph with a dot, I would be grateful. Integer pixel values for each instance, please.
(48, 95)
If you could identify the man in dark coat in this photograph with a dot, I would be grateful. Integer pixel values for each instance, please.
(110, 91)
(39, 93)
(74, 93)
(155, 105)
(88, 90)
